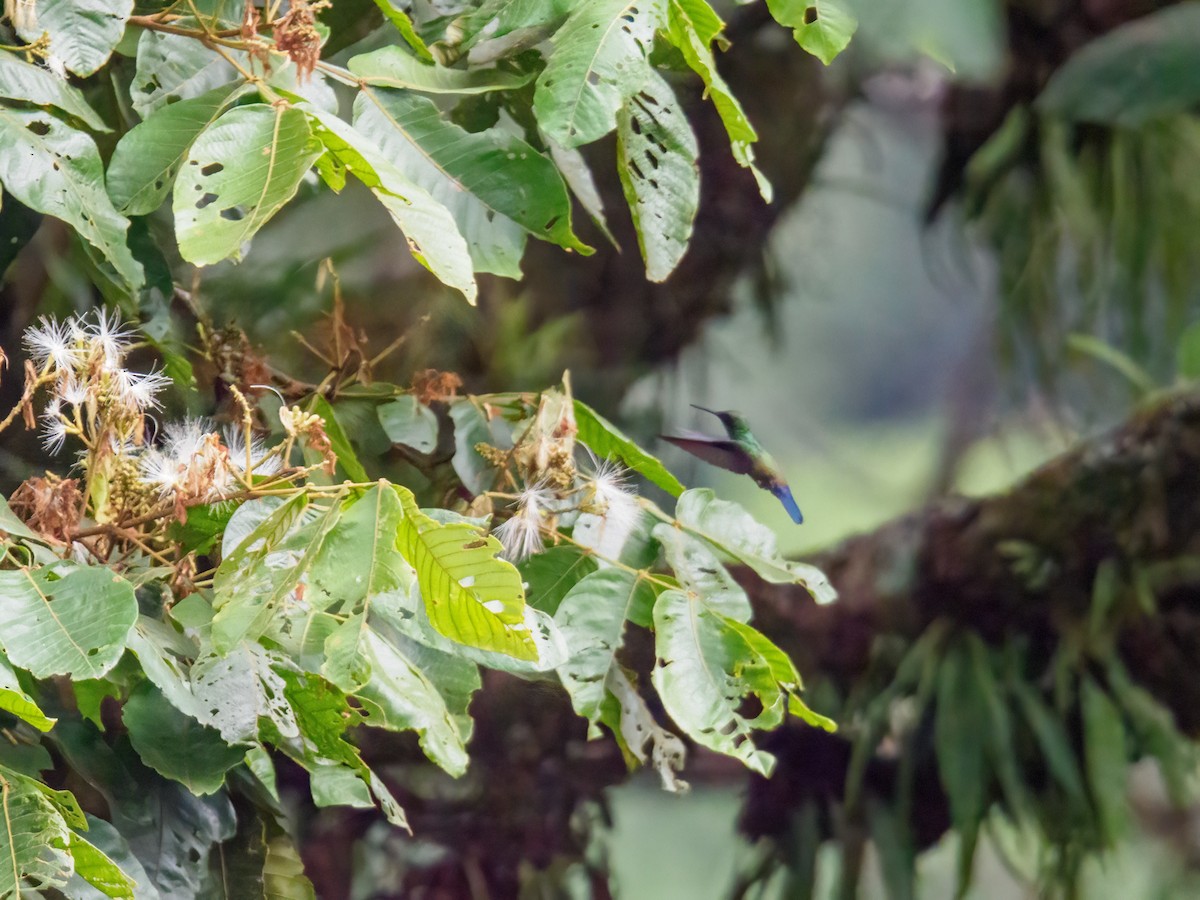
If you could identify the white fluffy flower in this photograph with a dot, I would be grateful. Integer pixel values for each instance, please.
(611, 510)
(108, 336)
(521, 535)
(161, 471)
(140, 391)
(51, 342)
(54, 427)
(72, 391)
(182, 439)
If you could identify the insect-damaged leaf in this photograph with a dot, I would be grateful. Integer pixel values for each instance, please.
(240, 171)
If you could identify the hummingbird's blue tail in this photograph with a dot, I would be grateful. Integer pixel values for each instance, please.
(784, 493)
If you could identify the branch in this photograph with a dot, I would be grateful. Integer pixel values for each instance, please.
(1018, 566)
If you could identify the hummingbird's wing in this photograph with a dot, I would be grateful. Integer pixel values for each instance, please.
(717, 451)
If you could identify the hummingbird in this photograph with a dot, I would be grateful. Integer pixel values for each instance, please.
(741, 453)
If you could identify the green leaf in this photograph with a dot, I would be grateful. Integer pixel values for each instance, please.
(283, 872)
(592, 618)
(960, 733)
(692, 26)
(33, 836)
(66, 620)
(148, 157)
(1134, 74)
(392, 67)
(492, 20)
(783, 673)
(398, 696)
(334, 785)
(433, 237)
(1187, 353)
(604, 439)
(656, 159)
(1107, 759)
(12, 526)
(399, 18)
(578, 176)
(407, 421)
(173, 67)
(501, 174)
(14, 700)
(234, 692)
(104, 863)
(731, 529)
(470, 595)
(470, 429)
(248, 591)
(239, 173)
(56, 170)
(636, 728)
(26, 82)
(702, 574)
(176, 745)
(168, 829)
(159, 649)
(1001, 748)
(338, 439)
(1052, 739)
(1120, 362)
(94, 867)
(600, 59)
(822, 27)
(82, 33)
(553, 573)
(705, 670)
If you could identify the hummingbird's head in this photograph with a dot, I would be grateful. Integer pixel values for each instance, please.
(732, 420)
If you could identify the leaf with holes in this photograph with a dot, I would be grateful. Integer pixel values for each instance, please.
(173, 67)
(600, 59)
(392, 67)
(604, 439)
(33, 836)
(432, 233)
(148, 156)
(551, 574)
(500, 172)
(493, 20)
(240, 171)
(729, 528)
(66, 620)
(656, 159)
(822, 27)
(174, 744)
(234, 692)
(53, 168)
(692, 26)
(82, 33)
(249, 591)
(701, 573)
(635, 727)
(398, 696)
(706, 673)
(470, 595)
(23, 81)
(592, 618)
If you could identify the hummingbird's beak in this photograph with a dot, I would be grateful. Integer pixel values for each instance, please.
(711, 412)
